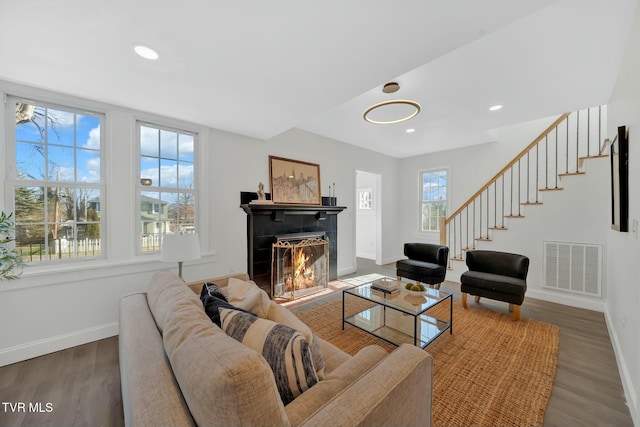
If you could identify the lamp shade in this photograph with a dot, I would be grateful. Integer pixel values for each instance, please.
(180, 247)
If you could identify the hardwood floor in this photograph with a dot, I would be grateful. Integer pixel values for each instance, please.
(82, 384)
(79, 386)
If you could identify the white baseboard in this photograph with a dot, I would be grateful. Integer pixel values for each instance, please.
(52, 344)
(346, 270)
(366, 255)
(627, 385)
(566, 299)
(392, 260)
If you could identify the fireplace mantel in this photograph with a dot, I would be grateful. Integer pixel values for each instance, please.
(265, 221)
(279, 211)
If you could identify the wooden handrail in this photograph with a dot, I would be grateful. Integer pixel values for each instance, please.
(506, 168)
(607, 143)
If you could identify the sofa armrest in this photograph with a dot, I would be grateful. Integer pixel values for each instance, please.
(397, 392)
(150, 393)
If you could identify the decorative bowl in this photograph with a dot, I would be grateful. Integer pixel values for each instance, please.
(415, 293)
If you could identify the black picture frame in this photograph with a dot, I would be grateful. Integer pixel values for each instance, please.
(619, 155)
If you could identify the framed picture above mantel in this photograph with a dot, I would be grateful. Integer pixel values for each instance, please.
(294, 181)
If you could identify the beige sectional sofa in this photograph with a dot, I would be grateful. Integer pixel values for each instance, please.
(180, 369)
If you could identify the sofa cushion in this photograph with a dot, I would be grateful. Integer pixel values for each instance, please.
(286, 350)
(337, 381)
(166, 291)
(248, 296)
(221, 379)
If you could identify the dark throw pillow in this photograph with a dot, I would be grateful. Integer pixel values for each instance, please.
(213, 300)
(213, 290)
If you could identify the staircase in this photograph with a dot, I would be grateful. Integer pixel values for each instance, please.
(559, 151)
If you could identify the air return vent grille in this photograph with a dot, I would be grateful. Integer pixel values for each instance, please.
(573, 267)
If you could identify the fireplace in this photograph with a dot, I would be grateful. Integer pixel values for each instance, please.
(300, 265)
(266, 221)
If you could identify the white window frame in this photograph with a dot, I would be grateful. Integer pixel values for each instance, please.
(197, 137)
(421, 201)
(12, 180)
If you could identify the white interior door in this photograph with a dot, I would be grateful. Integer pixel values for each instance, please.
(368, 215)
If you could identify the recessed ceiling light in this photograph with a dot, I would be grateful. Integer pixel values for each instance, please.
(495, 108)
(146, 52)
(411, 130)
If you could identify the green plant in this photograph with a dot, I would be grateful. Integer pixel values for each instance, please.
(10, 262)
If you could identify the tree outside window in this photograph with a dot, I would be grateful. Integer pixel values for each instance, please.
(434, 199)
(58, 183)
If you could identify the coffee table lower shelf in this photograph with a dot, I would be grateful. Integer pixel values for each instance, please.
(396, 327)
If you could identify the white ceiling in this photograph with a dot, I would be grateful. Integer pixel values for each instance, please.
(259, 68)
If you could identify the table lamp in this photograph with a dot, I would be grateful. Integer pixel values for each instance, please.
(180, 247)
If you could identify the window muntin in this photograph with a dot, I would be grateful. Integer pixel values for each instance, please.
(168, 205)
(57, 186)
(433, 205)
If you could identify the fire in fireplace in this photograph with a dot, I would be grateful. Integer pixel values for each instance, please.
(300, 265)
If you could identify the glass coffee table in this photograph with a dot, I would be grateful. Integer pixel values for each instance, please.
(399, 318)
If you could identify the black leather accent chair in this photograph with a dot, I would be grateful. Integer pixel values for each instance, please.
(500, 276)
(427, 263)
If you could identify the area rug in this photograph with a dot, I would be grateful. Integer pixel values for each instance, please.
(491, 372)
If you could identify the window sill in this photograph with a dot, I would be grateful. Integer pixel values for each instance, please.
(85, 270)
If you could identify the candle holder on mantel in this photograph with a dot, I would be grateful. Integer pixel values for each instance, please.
(329, 201)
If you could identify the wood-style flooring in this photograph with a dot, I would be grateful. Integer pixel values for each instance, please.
(80, 386)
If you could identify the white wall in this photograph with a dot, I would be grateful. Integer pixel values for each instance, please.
(623, 278)
(69, 304)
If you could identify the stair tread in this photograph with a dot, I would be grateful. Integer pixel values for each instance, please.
(570, 173)
(597, 156)
(498, 228)
(550, 189)
(514, 216)
(530, 203)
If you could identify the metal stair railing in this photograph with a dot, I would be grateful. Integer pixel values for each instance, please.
(558, 151)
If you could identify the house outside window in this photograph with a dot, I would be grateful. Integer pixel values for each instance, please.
(56, 180)
(433, 206)
(168, 203)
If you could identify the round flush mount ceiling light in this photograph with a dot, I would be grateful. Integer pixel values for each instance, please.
(391, 87)
(390, 112)
(495, 108)
(146, 52)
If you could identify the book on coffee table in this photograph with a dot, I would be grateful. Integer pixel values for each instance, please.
(386, 286)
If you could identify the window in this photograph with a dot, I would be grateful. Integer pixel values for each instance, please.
(168, 202)
(365, 199)
(434, 199)
(57, 184)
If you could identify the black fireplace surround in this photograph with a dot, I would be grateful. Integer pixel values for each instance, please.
(266, 221)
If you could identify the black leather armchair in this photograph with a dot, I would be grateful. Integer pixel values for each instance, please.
(500, 276)
(427, 263)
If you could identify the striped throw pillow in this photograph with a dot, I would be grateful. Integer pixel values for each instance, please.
(286, 350)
